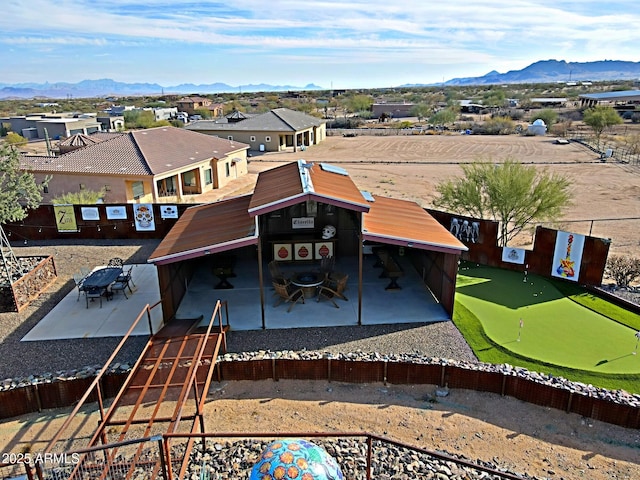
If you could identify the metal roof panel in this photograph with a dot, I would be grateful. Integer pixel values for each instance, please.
(409, 224)
(213, 226)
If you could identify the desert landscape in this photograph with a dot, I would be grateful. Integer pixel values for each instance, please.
(409, 167)
(521, 437)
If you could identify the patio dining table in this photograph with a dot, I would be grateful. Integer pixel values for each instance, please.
(101, 278)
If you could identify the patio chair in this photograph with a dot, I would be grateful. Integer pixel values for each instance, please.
(121, 284)
(327, 264)
(93, 293)
(333, 288)
(127, 274)
(276, 273)
(115, 262)
(288, 293)
(78, 278)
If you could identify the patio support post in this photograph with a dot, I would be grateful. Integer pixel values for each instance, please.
(360, 272)
(260, 274)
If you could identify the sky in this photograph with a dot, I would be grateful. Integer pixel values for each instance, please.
(332, 44)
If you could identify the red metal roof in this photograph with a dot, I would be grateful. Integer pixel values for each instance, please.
(208, 229)
(400, 222)
(230, 224)
(299, 181)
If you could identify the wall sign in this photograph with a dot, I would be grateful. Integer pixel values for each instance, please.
(303, 222)
(65, 218)
(143, 217)
(90, 213)
(567, 256)
(169, 211)
(303, 251)
(117, 213)
(282, 252)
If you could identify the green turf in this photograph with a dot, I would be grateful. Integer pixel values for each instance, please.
(556, 329)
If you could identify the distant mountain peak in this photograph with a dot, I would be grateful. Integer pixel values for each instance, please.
(544, 71)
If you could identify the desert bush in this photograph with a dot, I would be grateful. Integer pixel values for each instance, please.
(624, 270)
(82, 197)
(16, 139)
(499, 126)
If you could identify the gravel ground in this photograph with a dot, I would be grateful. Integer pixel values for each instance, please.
(21, 359)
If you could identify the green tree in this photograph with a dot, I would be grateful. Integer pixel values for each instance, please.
(82, 197)
(444, 116)
(19, 190)
(494, 98)
(511, 193)
(13, 138)
(547, 115)
(600, 118)
(359, 103)
(420, 110)
(204, 113)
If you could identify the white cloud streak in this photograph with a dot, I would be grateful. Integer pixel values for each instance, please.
(493, 33)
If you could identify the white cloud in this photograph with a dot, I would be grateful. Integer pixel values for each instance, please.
(507, 33)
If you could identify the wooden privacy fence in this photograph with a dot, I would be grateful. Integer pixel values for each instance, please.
(33, 398)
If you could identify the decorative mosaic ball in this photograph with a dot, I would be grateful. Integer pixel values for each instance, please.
(297, 459)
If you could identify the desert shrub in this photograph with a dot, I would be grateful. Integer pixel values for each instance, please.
(15, 139)
(351, 122)
(624, 270)
(499, 126)
(82, 197)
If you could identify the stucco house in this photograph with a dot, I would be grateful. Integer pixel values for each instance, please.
(163, 164)
(191, 104)
(41, 126)
(274, 131)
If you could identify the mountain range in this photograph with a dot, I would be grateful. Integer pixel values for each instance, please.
(546, 71)
(551, 71)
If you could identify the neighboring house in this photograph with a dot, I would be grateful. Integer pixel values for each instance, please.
(39, 126)
(274, 131)
(192, 104)
(156, 165)
(111, 123)
(393, 110)
(165, 113)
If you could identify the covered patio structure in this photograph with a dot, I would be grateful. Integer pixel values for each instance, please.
(221, 251)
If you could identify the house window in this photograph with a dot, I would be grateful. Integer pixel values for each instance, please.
(45, 189)
(82, 187)
(227, 169)
(137, 189)
(208, 176)
(267, 139)
(252, 138)
(189, 179)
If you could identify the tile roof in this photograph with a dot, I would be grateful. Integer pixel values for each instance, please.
(142, 152)
(168, 148)
(213, 228)
(297, 181)
(276, 120)
(401, 222)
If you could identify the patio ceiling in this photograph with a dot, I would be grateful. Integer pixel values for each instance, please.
(299, 181)
(208, 229)
(404, 223)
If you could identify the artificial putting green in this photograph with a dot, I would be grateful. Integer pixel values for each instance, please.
(555, 330)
